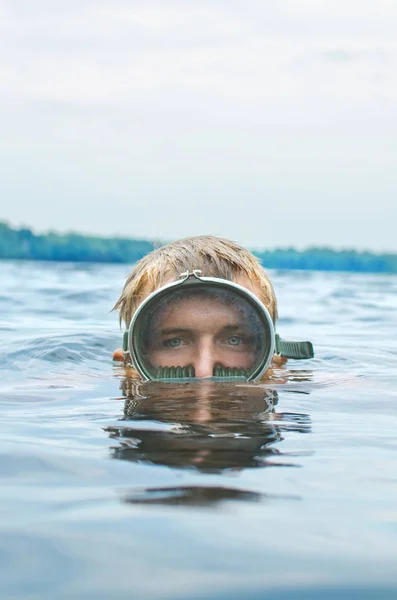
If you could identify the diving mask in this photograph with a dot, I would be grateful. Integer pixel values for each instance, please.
(205, 327)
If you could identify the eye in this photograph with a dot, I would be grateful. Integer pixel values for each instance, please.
(234, 340)
(173, 343)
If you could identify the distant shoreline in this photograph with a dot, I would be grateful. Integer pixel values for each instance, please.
(23, 244)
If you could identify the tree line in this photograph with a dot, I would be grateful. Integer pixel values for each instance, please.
(24, 244)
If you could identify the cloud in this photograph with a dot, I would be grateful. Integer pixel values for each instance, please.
(375, 55)
(116, 52)
(338, 55)
(152, 110)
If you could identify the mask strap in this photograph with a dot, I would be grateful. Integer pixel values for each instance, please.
(297, 350)
(127, 357)
(125, 341)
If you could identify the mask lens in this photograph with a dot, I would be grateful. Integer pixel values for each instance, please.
(200, 329)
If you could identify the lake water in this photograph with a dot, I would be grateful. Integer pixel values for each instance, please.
(111, 490)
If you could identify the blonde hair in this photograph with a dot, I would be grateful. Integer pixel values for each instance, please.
(215, 257)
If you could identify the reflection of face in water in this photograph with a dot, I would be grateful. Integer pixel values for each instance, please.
(204, 329)
(203, 426)
(206, 426)
(214, 405)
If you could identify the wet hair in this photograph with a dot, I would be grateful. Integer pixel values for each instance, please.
(215, 257)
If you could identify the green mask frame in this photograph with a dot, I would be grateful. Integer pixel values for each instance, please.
(133, 339)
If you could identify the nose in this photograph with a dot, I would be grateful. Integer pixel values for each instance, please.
(205, 359)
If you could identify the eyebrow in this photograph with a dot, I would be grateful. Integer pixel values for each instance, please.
(174, 330)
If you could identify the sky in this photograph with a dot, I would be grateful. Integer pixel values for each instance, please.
(270, 123)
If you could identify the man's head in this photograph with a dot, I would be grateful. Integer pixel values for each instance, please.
(203, 330)
(214, 257)
(202, 307)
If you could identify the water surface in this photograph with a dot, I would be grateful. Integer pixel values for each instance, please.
(113, 489)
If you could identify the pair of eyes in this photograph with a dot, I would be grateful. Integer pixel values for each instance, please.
(232, 340)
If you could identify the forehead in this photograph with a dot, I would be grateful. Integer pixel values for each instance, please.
(201, 302)
(197, 309)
